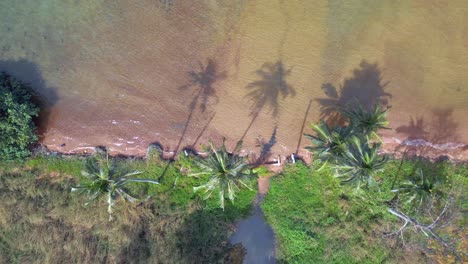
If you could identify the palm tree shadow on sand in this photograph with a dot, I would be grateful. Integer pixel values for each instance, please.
(267, 90)
(364, 88)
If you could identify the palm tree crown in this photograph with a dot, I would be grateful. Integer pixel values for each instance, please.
(360, 163)
(329, 143)
(104, 177)
(228, 173)
(418, 187)
(367, 122)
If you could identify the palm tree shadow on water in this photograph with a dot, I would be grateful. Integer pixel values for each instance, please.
(439, 133)
(364, 88)
(202, 81)
(267, 90)
(265, 149)
(44, 96)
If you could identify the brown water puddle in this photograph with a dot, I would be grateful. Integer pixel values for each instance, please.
(127, 74)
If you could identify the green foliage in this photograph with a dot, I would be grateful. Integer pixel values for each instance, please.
(17, 130)
(105, 178)
(318, 221)
(330, 143)
(315, 222)
(429, 204)
(367, 123)
(418, 187)
(360, 163)
(171, 226)
(228, 173)
(349, 148)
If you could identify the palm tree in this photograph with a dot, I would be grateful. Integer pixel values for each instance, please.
(228, 174)
(105, 178)
(367, 122)
(329, 143)
(418, 187)
(360, 163)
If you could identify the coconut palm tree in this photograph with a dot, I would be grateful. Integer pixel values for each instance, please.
(105, 178)
(360, 162)
(418, 187)
(329, 143)
(228, 174)
(367, 122)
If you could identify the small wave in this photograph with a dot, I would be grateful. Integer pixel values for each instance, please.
(424, 143)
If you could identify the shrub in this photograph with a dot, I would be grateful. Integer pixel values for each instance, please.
(17, 130)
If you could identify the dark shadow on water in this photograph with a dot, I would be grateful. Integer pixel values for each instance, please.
(416, 129)
(444, 127)
(194, 144)
(364, 88)
(265, 149)
(45, 97)
(203, 82)
(266, 91)
(440, 132)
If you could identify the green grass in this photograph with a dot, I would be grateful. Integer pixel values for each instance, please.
(318, 221)
(41, 221)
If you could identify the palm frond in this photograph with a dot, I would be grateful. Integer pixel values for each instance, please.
(227, 173)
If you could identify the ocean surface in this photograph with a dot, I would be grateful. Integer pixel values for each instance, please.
(125, 74)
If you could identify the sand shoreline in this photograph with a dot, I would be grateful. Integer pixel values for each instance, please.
(455, 152)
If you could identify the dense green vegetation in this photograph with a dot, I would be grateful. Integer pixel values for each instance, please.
(17, 130)
(317, 220)
(41, 221)
(405, 205)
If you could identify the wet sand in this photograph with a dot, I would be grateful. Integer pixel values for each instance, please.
(125, 74)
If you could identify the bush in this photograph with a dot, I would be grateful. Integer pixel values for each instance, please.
(17, 110)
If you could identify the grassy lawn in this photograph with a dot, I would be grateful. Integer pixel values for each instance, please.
(41, 221)
(318, 221)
